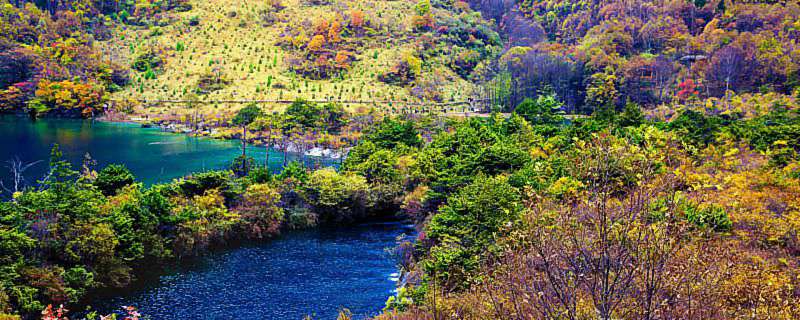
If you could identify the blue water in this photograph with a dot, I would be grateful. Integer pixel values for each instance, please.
(152, 155)
(302, 273)
(299, 273)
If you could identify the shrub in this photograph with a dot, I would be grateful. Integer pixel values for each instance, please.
(295, 171)
(379, 166)
(338, 197)
(78, 280)
(465, 228)
(148, 60)
(696, 128)
(199, 183)
(631, 115)
(260, 212)
(304, 114)
(502, 156)
(13, 246)
(301, 218)
(259, 174)
(113, 178)
(68, 95)
(781, 154)
(242, 165)
(542, 111)
(710, 216)
(391, 133)
(212, 81)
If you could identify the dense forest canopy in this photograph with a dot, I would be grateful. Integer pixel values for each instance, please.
(649, 51)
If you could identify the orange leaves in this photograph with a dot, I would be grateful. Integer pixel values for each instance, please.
(357, 19)
(71, 95)
(335, 31)
(343, 59)
(687, 89)
(328, 47)
(316, 43)
(422, 23)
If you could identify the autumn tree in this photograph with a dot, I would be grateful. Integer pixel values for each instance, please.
(357, 19)
(729, 69)
(602, 93)
(316, 43)
(597, 255)
(335, 31)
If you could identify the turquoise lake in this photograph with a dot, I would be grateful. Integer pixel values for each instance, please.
(153, 156)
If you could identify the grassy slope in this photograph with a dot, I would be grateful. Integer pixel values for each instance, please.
(242, 41)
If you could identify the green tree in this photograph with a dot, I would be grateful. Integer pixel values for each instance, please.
(333, 116)
(379, 166)
(465, 228)
(112, 178)
(260, 211)
(631, 116)
(295, 171)
(242, 165)
(338, 196)
(502, 156)
(602, 93)
(391, 133)
(696, 128)
(304, 114)
(244, 118)
(542, 111)
(61, 175)
(14, 245)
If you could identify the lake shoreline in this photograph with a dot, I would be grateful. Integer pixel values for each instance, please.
(210, 133)
(292, 150)
(147, 151)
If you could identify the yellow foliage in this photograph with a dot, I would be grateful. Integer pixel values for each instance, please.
(316, 43)
(334, 33)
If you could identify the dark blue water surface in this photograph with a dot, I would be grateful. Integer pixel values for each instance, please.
(152, 155)
(301, 273)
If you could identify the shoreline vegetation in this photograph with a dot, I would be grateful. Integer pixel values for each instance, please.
(486, 194)
(112, 225)
(212, 133)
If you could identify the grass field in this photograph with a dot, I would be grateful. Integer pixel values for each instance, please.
(232, 41)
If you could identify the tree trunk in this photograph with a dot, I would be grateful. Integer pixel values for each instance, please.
(268, 144)
(285, 152)
(303, 149)
(244, 142)
(266, 160)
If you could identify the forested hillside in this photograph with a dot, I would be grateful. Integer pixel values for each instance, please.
(598, 53)
(80, 55)
(589, 54)
(604, 218)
